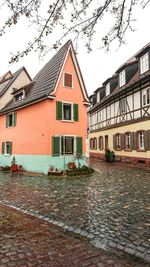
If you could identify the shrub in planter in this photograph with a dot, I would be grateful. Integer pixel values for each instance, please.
(109, 156)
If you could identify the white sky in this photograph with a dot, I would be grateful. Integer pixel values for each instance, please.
(96, 67)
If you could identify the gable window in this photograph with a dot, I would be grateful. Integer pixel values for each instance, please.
(144, 63)
(127, 140)
(7, 148)
(123, 106)
(11, 119)
(146, 96)
(107, 89)
(122, 79)
(140, 140)
(68, 80)
(101, 142)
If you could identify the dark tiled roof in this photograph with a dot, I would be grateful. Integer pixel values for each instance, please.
(7, 83)
(45, 80)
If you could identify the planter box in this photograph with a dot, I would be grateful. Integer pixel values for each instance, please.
(55, 173)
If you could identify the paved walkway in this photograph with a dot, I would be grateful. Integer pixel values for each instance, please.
(26, 241)
(111, 209)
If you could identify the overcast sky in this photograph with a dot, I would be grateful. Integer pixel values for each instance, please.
(96, 67)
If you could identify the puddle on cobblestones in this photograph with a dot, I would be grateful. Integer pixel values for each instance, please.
(112, 206)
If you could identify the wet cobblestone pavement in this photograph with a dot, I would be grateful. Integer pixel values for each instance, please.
(111, 208)
(26, 241)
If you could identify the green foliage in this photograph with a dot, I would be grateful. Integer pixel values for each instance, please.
(84, 170)
(109, 156)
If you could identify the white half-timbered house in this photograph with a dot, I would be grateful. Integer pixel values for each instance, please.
(120, 112)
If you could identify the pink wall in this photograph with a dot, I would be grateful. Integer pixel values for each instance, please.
(37, 123)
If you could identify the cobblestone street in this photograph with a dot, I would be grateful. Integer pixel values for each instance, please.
(111, 210)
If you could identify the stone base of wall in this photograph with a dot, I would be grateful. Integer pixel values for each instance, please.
(138, 161)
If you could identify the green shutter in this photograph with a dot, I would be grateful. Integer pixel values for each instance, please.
(10, 148)
(14, 118)
(55, 145)
(79, 145)
(7, 120)
(58, 110)
(3, 147)
(75, 112)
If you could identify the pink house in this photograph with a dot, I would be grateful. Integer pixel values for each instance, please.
(46, 122)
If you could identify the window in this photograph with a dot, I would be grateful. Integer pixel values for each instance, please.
(19, 96)
(144, 63)
(98, 97)
(123, 106)
(7, 148)
(122, 79)
(95, 143)
(140, 140)
(67, 111)
(146, 96)
(11, 119)
(127, 140)
(118, 141)
(101, 142)
(67, 145)
(107, 89)
(68, 80)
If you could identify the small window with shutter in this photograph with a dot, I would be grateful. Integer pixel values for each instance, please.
(68, 80)
(7, 148)
(11, 119)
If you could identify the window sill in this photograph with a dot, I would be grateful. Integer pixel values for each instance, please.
(6, 155)
(128, 149)
(67, 121)
(140, 150)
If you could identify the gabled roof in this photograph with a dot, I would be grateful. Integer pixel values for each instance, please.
(5, 84)
(45, 82)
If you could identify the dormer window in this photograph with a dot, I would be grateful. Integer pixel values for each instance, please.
(107, 89)
(144, 63)
(19, 96)
(98, 97)
(122, 79)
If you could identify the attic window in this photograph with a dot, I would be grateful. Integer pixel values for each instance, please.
(68, 80)
(122, 79)
(144, 63)
(107, 89)
(19, 96)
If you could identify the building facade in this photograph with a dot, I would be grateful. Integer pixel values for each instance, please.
(120, 112)
(45, 125)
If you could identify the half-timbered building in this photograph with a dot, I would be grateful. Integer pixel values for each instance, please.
(120, 112)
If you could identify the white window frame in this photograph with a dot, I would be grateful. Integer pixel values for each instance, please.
(18, 93)
(128, 140)
(108, 89)
(67, 103)
(122, 78)
(141, 145)
(123, 106)
(5, 148)
(13, 114)
(62, 154)
(145, 98)
(98, 97)
(64, 80)
(118, 140)
(144, 63)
